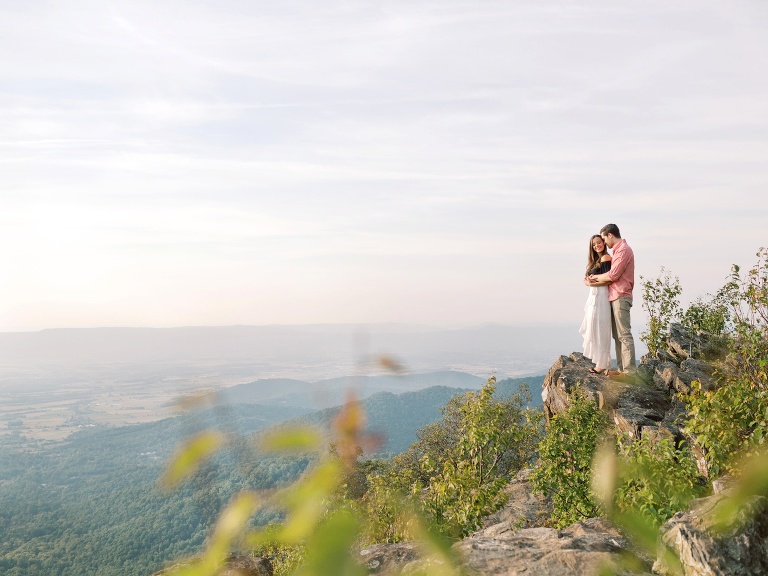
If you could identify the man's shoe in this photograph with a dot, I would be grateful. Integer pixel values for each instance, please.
(614, 372)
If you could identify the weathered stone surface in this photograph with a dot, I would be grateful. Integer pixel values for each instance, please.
(524, 508)
(737, 549)
(631, 405)
(633, 420)
(388, 559)
(582, 548)
(723, 483)
(235, 566)
(247, 566)
(567, 373)
(647, 370)
(656, 433)
(665, 374)
(693, 369)
(682, 345)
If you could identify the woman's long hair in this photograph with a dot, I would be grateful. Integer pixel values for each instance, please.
(593, 256)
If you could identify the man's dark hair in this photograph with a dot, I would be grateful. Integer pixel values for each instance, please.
(610, 229)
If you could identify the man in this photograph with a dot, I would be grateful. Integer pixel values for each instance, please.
(622, 279)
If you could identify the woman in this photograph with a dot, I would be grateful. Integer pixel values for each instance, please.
(596, 327)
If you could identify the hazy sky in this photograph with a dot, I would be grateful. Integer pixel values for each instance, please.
(442, 162)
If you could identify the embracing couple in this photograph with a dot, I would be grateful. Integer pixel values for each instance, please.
(610, 278)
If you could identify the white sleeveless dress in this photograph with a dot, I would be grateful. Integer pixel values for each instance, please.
(596, 327)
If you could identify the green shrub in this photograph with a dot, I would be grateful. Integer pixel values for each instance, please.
(712, 314)
(655, 478)
(730, 422)
(661, 302)
(727, 422)
(493, 439)
(566, 453)
(749, 294)
(285, 558)
(385, 509)
(455, 473)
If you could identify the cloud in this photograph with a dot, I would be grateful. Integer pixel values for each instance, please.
(450, 158)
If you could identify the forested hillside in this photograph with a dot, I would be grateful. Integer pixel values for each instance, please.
(333, 391)
(92, 505)
(396, 418)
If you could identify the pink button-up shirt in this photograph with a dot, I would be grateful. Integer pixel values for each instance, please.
(622, 272)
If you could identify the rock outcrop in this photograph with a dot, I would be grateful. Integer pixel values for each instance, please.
(581, 549)
(238, 565)
(636, 407)
(705, 546)
(513, 541)
(385, 559)
(647, 404)
(524, 508)
(691, 542)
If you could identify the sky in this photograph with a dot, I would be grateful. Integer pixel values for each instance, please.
(432, 162)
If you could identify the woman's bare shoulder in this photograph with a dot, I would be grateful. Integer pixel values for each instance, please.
(606, 258)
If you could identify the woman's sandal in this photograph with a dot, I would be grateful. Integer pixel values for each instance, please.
(601, 372)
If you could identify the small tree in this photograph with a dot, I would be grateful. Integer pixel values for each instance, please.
(712, 314)
(566, 454)
(750, 293)
(493, 439)
(732, 420)
(656, 478)
(661, 301)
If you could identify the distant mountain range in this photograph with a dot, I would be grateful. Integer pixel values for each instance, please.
(311, 351)
(333, 391)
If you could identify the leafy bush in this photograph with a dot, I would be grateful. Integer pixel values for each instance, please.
(730, 422)
(565, 463)
(385, 508)
(727, 422)
(285, 558)
(655, 478)
(320, 527)
(750, 293)
(457, 469)
(493, 439)
(661, 301)
(712, 314)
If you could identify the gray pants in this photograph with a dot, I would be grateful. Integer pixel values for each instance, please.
(622, 334)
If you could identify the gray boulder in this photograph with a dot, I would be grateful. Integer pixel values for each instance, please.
(705, 548)
(385, 559)
(524, 508)
(236, 565)
(632, 405)
(581, 549)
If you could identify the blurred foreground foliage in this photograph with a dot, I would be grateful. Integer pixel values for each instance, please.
(434, 493)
